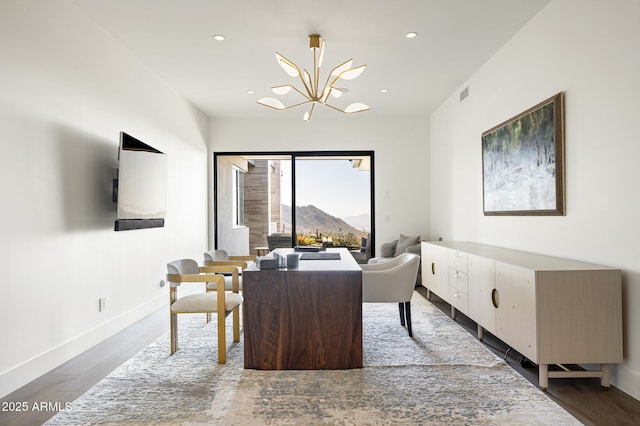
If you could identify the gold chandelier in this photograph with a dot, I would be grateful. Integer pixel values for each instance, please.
(312, 92)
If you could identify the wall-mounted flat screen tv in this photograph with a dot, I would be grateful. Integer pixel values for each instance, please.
(140, 189)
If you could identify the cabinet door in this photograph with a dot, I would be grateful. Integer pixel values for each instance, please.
(482, 281)
(435, 269)
(516, 312)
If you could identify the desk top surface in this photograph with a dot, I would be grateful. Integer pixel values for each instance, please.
(346, 262)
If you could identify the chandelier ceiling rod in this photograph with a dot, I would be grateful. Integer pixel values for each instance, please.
(311, 85)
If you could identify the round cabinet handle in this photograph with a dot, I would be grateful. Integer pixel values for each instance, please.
(433, 268)
(495, 299)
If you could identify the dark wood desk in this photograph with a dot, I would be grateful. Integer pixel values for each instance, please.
(304, 318)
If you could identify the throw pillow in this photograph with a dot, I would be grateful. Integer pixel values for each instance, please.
(388, 249)
(404, 242)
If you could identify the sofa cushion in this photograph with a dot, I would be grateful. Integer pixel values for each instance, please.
(404, 242)
(388, 249)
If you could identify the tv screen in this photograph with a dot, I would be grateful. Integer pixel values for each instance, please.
(141, 187)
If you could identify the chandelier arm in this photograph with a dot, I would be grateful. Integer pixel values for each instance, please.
(336, 108)
(316, 72)
(304, 83)
(296, 105)
(330, 86)
(298, 90)
(311, 111)
(285, 108)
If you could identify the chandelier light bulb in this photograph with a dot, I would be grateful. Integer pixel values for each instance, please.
(356, 107)
(272, 103)
(282, 90)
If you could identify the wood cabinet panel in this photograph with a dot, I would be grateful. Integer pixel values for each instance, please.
(482, 276)
(435, 269)
(516, 312)
(579, 317)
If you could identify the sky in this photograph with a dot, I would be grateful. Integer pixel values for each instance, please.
(333, 186)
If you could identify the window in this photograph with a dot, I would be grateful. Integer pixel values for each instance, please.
(238, 197)
(306, 197)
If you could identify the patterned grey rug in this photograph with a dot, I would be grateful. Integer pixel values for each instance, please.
(441, 376)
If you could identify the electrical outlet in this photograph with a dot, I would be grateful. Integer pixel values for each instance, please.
(102, 304)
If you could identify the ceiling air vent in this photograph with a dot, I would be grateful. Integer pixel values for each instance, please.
(464, 93)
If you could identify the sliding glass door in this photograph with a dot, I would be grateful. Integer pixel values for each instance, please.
(332, 200)
(296, 198)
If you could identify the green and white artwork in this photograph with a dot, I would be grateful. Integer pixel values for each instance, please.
(522, 161)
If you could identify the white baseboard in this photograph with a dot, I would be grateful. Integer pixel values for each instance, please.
(20, 375)
(626, 380)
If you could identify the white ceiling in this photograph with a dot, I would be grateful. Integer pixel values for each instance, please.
(174, 39)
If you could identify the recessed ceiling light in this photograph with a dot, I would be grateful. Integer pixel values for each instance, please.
(251, 92)
(218, 37)
(412, 34)
(384, 90)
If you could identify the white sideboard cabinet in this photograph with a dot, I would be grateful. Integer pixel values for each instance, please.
(551, 310)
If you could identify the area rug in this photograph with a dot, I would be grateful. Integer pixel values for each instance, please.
(442, 375)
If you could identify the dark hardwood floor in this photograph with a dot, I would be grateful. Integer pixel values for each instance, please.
(73, 378)
(583, 398)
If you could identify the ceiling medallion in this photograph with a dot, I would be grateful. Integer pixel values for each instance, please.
(312, 91)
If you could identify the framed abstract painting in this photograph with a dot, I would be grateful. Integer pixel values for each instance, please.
(523, 163)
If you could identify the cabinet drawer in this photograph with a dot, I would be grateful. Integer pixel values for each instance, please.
(458, 260)
(459, 300)
(458, 280)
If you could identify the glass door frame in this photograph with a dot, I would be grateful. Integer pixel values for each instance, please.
(293, 155)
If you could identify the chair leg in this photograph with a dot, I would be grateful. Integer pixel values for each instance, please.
(173, 327)
(173, 321)
(222, 340)
(401, 305)
(407, 310)
(236, 324)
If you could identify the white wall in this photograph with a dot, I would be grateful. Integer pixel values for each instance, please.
(400, 145)
(589, 50)
(66, 91)
(231, 238)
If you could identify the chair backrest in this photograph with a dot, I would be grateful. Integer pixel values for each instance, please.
(366, 247)
(183, 267)
(390, 281)
(216, 255)
(278, 240)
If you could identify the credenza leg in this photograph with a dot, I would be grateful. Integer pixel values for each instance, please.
(480, 332)
(605, 380)
(453, 312)
(543, 376)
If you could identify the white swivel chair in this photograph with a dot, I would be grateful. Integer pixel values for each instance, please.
(392, 281)
(221, 302)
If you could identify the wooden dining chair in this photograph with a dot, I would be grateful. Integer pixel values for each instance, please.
(219, 301)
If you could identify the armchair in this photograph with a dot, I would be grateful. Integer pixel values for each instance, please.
(392, 281)
(220, 302)
(404, 244)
